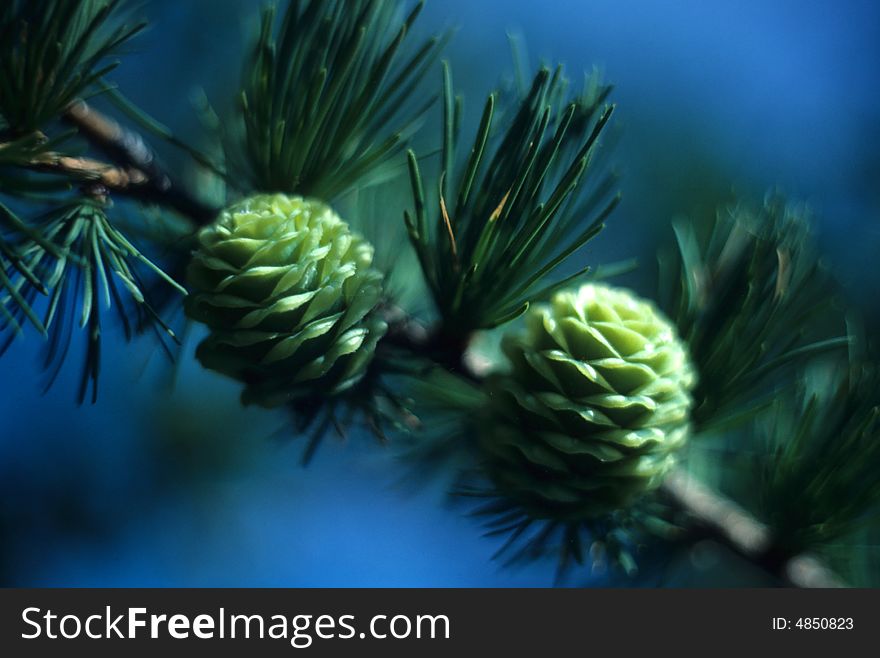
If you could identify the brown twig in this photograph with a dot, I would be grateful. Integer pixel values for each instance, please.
(135, 172)
(89, 170)
(725, 522)
(138, 174)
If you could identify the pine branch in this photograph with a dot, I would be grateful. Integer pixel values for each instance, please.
(135, 174)
(74, 258)
(326, 95)
(146, 180)
(87, 169)
(753, 300)
(53, 53)
(725, 522)
(524, 202)
(816, 444)
(710, 514)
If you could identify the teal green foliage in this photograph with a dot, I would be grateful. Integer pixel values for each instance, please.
(52, 54)
(753, 302)
(819, 479)
(80, 263)
(320, 90)
(59, 267)
(517, 210)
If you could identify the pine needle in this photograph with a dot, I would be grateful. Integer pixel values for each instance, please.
(522, 198)
(319, 92)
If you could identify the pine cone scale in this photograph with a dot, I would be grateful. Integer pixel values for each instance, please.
(288, 293)
(594, 408)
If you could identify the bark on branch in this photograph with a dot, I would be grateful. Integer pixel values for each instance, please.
(90, 170)
(132, 169)
(146, 181)
(729, 524)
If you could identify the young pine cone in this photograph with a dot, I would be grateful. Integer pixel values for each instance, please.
(287, 291)
(594, 408)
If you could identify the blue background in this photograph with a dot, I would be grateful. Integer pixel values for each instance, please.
(163, 484)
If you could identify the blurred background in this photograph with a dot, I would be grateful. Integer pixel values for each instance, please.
(169, 482)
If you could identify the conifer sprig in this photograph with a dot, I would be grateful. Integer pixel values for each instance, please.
(819, 478)
(76, 260)
(753, 301)
(319, 93)
(502, 225)
(54, 53)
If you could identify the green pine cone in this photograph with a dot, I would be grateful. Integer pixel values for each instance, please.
(595, 406)
(287, 291)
